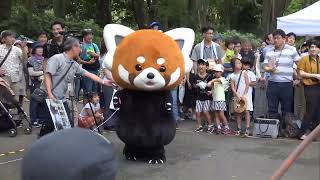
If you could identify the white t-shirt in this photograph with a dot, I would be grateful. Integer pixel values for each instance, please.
(252, 78)
(218, 90)
(87, 106)
(242, 86)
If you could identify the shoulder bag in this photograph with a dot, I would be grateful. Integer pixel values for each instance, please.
(41, 95)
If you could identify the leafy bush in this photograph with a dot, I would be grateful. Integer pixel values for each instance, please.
(242, 36)
(233, 33)
(41, 21)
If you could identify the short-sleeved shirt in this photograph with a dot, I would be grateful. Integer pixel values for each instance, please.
(285, 59)
(309, 65)
(208, 52)
(228, 56)
(57, 66)
(242, 86)
(218, 90)
(13, 63)
(252, 78)
(95, 108)
(88, 47)
(201, 94)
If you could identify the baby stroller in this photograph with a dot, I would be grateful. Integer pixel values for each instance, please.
(9, 122)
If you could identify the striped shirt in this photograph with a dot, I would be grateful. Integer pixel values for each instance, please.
(285, 60)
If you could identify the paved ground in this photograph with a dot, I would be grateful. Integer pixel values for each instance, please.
(194, 156)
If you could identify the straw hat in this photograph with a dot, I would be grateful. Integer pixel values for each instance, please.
(240, 105)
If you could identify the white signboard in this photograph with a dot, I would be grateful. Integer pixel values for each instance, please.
(58, 114)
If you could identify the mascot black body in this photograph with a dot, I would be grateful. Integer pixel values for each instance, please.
(146, 124)
(146, 64)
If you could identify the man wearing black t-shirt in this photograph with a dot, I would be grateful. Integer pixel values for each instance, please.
(54, 45)
(203, 96)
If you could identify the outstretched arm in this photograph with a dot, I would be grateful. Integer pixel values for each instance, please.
(98, 79)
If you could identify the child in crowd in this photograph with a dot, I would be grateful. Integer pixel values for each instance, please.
(35, 71)
(203, 96)
(86, 119)
(237, 48)
(240, 87)
(228, 56)
(219, 101)
(246, 64)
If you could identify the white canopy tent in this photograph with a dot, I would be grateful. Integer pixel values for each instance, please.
(305, 22)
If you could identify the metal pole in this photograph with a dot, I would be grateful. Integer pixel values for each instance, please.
(295, 154)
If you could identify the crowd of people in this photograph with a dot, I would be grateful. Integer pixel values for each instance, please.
(224, 71)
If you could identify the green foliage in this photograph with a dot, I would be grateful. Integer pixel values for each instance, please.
(244, 15)
(122, 14)
(233, 33)
(294, 6)
(17, 22)
(71, 24)
(242, 36)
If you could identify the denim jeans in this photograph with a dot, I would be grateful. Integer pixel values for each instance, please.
(175, 111)
(33, 104)
(90, 85)
(279, 92)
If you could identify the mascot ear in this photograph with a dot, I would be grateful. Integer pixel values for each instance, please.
(113, 34)
(185, 39)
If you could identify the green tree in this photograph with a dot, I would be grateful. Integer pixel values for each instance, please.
(59, 7)
(103, 16)
(5, 10)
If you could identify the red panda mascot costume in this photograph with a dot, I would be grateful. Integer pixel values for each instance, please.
(146, 64)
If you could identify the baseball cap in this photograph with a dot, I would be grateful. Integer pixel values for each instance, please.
(71, 154)
(218, 68)
(202, 61)
(86, 32)
(154, 23)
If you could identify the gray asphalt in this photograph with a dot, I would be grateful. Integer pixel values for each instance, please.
(193, 156)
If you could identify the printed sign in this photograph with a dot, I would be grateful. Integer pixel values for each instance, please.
(58, 114)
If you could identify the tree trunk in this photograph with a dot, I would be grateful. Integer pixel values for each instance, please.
(192, 13)
(270, 11)
(5, 9)
(28, 6)
(104, 12)
(59, 8)
(139, 13)
(203, 13)
(152, 10)
(227, 13)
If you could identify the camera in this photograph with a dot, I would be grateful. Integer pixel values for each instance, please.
(71, 33)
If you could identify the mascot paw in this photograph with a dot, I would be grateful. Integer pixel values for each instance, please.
(168, 107)
(131, 158)
(156, 161)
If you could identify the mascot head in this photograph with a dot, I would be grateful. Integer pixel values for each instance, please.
(148, 60)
